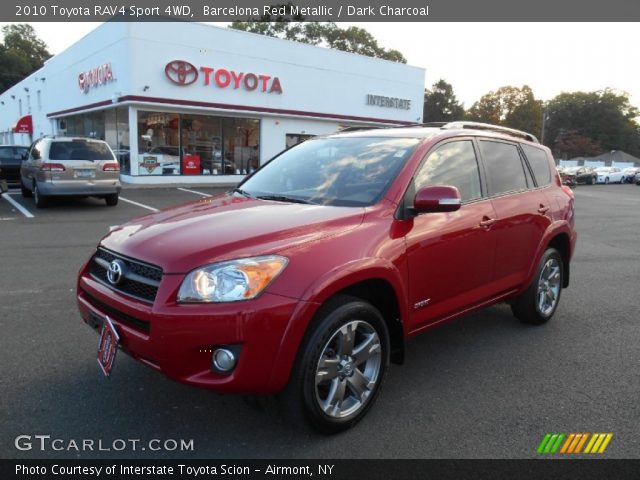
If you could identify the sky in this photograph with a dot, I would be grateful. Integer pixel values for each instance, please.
(480, 57)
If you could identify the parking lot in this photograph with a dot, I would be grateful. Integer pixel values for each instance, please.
(484, 386)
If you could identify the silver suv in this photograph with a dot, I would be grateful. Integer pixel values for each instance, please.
(70, 166)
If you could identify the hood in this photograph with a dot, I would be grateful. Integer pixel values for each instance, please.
(226, 227)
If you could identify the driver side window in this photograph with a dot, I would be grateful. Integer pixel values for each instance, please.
(455, 164)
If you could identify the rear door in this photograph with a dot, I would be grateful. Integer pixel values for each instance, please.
(84, 161)
(522, 211)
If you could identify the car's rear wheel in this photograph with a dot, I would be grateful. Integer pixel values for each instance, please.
(39, 199)
(539, 302)
(111, 200)
(341, 366)
(26, 193)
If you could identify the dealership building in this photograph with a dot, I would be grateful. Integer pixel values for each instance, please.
(203, 103)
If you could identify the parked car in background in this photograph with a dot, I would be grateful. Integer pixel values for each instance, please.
(308, 278)
(70, 166)
(609, 175)
(11, 157)
(629, 174)
(579, 175)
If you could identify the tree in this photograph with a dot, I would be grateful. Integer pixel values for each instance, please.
(21, 54)
(606, 117)
(511, 107)
(326, 34)
(441, 104)
(570, 144)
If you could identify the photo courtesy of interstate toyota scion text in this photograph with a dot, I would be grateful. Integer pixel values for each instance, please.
(308, 278)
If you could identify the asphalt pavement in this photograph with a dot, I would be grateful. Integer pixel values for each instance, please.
(484, 386)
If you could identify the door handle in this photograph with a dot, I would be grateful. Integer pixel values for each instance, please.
(543, 209)
(487, 222)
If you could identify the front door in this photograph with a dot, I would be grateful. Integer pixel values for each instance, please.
(450, 255)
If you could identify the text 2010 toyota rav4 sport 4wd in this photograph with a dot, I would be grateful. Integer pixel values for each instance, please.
(310, 276)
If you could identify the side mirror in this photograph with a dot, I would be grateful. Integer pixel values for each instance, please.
(437, 198)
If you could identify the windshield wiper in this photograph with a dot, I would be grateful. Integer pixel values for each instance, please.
(284, 198)
(242, 192)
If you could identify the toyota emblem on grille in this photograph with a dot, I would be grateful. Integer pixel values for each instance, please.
(115, 273)
(181, 72)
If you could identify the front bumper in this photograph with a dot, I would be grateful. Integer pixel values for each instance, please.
(177, 340)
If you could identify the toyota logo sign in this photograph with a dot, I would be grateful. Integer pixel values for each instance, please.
(181, 72)
(115, 272)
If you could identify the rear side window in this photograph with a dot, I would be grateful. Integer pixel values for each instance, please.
(455, 164)
(21, 152)
(35, 150)
(539, 164)
(504, 169)
(79, 151)
(6, 153)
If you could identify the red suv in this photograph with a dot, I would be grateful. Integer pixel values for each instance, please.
(310, 276)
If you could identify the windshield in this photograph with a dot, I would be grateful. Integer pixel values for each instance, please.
(79, 150)
(332, 171)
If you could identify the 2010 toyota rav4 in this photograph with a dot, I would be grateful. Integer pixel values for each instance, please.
(309, 277)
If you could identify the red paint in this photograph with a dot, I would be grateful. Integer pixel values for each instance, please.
(191, 164)
(181, 72)
(184, 73)
(24, 125)
(454, 259)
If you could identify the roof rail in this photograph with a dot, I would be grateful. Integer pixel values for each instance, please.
(356, 128)
(493, 128)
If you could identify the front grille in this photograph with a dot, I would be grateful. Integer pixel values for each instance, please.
(117, 315)
(140, 280)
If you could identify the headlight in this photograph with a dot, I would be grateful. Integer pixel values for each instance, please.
(231, 281)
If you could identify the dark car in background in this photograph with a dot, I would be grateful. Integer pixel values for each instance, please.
(579, 175)
(11, 157)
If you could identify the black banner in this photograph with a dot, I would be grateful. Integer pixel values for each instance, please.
(333, 469)
(28, 11)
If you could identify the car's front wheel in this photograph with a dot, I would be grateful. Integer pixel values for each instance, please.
(539, 302)
(341, 366)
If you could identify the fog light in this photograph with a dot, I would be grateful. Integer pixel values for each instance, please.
(224, 360)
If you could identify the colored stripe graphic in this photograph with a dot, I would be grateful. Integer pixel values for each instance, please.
(572, 443)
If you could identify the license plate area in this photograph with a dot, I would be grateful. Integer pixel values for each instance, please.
(108, 346)
(84, 173)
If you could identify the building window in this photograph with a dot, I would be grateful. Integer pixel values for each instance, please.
(293, 139)
(188, 144)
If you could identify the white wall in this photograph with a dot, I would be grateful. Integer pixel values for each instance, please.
(313, 79)
(57, 81)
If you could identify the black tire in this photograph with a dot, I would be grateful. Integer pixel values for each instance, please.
(26, 193)
(39, 199)
(527, 307)
(111, 200)
(364, 326)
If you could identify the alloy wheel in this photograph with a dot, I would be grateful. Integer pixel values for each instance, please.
(348, 369)
(549, 287)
